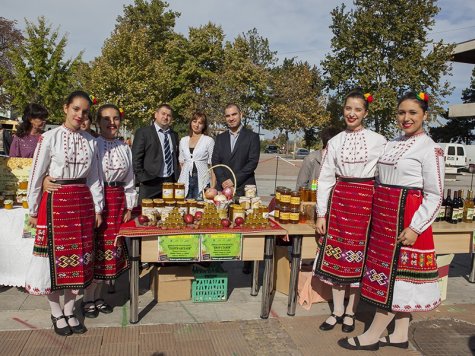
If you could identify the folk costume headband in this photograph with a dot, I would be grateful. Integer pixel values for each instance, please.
(422, 96)
(368, 97)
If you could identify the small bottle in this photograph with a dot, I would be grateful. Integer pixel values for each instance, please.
(468, 208)
(448, 206)
(455, 210)
(461, 206)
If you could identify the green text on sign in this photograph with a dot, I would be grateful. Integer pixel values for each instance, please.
(178, 248)
(221, 247)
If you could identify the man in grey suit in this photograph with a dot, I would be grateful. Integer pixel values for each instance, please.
(155, 154)
(239, 149)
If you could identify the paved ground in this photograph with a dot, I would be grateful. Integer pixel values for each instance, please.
(232, 327)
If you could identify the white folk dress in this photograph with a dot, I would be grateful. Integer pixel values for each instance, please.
(201, 157)
(62, 154)
(411, 168)
(344, 197)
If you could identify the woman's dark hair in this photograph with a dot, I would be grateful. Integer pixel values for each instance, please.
(103, 107)
(198, 115)
(32, 111)
(76, 94)
(413, 96)
(327, 134)
(357, 94)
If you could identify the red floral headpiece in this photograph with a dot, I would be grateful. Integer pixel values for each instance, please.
(121, 113)
(423, 96)
(94, 100)
(368, 97)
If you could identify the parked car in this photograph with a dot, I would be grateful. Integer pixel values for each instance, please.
(301, 153)
(271, 149)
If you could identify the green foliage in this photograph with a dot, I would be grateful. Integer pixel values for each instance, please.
(10, 37)
(39, 72)
(383, 48)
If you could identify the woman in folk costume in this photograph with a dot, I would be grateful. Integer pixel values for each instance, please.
(344, 201)
(119, 194)
(196, 150)
(63, 253)
(400, 273)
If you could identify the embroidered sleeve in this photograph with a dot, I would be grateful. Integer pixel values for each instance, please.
(326, 179)
(433, 170)
(94, 179)
(130, 192)
(39, 170)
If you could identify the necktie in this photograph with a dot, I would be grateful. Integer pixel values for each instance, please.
(168, 154)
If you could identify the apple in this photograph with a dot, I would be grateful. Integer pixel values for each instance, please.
(210, 193)
(228, 192)
(225, 223)
(188, 218)
(239, 221)
(143, 219)
(198, 215)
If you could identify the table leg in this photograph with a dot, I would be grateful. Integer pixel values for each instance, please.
(255, 279)
(296, 255)
(268, 281)
(134, 280)
(471, 277)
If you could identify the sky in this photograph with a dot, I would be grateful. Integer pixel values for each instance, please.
(295, 28)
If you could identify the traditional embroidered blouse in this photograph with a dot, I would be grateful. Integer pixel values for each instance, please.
(352, 154)
(116, 158)
(65, 154)
(201, 158)
(417, 162)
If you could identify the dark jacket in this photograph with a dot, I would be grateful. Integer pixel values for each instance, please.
(243, 160)
(7, 141)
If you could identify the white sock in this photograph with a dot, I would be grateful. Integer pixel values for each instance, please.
(56, 311)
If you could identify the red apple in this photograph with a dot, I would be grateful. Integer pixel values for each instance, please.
(198, 215)
(210, 193)
(143, 219)
(239, 221)
(188, 218)
(228, 192)
(225, 223)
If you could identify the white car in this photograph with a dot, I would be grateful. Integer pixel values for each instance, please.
(301, 153)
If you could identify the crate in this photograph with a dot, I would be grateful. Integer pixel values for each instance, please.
(209, 285)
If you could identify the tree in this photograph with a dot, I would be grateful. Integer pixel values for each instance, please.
(383, 47)
(10, 37)
(296, 100)
(458, 129)
(39, 72)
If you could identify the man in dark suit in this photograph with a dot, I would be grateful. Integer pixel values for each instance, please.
(155, 154)
(238, 148)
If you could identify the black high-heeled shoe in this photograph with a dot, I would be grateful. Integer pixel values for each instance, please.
(327, 326)
(77, 329)
(348, 328)
(61, 331)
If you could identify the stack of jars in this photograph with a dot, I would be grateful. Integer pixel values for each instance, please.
(287, 206)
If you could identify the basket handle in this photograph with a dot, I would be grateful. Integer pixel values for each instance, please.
(225, 166)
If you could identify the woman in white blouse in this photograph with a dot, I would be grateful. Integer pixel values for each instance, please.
(119, 199)
(196, 150)
(400, 274)
(65, 219)
(344, 202)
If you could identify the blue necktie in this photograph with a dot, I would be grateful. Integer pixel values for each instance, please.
(168, 154)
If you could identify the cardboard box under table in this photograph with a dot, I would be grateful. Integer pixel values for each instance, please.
(170, 284)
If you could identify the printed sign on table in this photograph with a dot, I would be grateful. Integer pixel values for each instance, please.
(14, 173)
(221, 247)
(178, 248)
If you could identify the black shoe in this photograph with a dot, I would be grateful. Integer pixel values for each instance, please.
(78, 329)
(102, 306)
(401, 345)
(61, 331)
(246, 269)
(348, 328)
(89, 310)
(326, 326)
(346, 345)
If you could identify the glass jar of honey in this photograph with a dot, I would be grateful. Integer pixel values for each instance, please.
(284, 214)
(277, 211)
(168, 191)
(295, 198)
(179, 191)
(238, 211)
(285, 196)
(24, 203)
(294, 215)
(278, 192)
(182, 207)
(191, 206)
(8, 204)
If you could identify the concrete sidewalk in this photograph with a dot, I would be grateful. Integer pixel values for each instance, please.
(228, 328)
